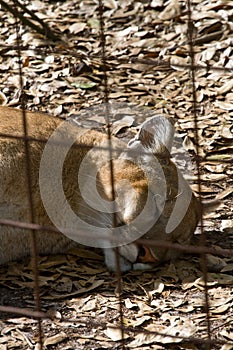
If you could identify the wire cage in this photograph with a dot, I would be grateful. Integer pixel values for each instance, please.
(176, 305)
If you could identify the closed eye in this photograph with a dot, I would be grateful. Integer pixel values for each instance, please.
(141, 252)
(145, 255)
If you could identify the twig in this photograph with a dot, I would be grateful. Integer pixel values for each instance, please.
(45, 30)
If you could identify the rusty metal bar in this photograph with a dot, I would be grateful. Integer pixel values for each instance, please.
(45, 316)
(203, 240)
(156, 243)
(113, 193)
(147, 61)
(29, 184)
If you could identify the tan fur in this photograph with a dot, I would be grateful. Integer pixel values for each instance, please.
(130, 182)
(15, 244)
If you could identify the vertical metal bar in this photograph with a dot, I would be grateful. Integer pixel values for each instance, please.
(113, 194)
(29, 183)
(194, 105)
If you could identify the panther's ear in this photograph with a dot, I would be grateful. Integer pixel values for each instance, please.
(155, 135)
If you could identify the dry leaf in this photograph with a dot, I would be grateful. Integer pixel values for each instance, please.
(77, 27)
(171, 11)
(118, 125)
(115, 334)
(56, 339)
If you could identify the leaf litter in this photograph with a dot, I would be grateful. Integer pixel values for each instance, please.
(77, 289)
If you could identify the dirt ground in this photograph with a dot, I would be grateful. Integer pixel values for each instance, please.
(147, 51)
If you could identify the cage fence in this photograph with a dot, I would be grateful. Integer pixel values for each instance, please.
(121, 332)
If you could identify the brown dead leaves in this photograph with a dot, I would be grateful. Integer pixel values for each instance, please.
(147, 57)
